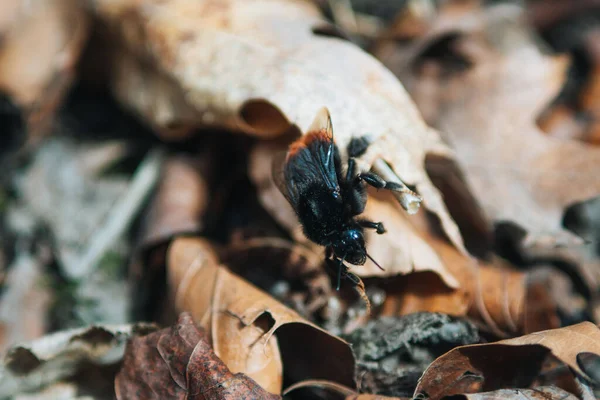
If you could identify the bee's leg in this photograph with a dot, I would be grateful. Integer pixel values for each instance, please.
(337, 266)
(351, 169)
(377, 182)
(358, 146)
(328, 252)
(334, 264)
(378, 226)
(353, 278)
(339, 274)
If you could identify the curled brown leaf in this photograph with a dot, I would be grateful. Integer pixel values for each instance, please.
(516, 362)
(249, 330)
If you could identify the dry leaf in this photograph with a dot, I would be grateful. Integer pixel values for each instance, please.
(250, 331)
(516, 362)
(540, 393)
(40, 46)
(32, 366)
(179, 71)
(487, 113)
(178, 363)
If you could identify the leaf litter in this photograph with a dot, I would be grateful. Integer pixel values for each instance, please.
(145, 192)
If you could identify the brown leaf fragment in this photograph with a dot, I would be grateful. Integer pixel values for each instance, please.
(540, 393)
(487, 112)
(513, 362)
(249, 330)
(178, 363)
(177, 71)
(180, 200)
(40, 45)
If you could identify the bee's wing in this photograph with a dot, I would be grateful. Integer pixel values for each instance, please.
(314, 156)
(278, 166)
(310, 160)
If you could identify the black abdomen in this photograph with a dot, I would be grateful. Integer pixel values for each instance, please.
(321, 213)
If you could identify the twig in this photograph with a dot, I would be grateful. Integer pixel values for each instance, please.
(144, 179)
(408, 199)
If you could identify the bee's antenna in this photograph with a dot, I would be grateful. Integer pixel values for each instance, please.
(375, 262)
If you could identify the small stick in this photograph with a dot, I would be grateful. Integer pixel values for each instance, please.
(119, 219)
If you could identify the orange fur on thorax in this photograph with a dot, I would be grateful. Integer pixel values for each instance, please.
(306, 140)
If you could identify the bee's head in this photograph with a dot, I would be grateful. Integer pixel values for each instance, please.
(351, 246)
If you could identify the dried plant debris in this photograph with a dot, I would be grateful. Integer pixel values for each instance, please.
(393, 352)
(60, 356)
(59, 189)
(88, 214)
(179, 363)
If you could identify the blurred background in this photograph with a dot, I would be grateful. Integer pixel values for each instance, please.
(125, 125)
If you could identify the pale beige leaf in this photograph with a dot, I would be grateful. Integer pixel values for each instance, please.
(257, 66)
